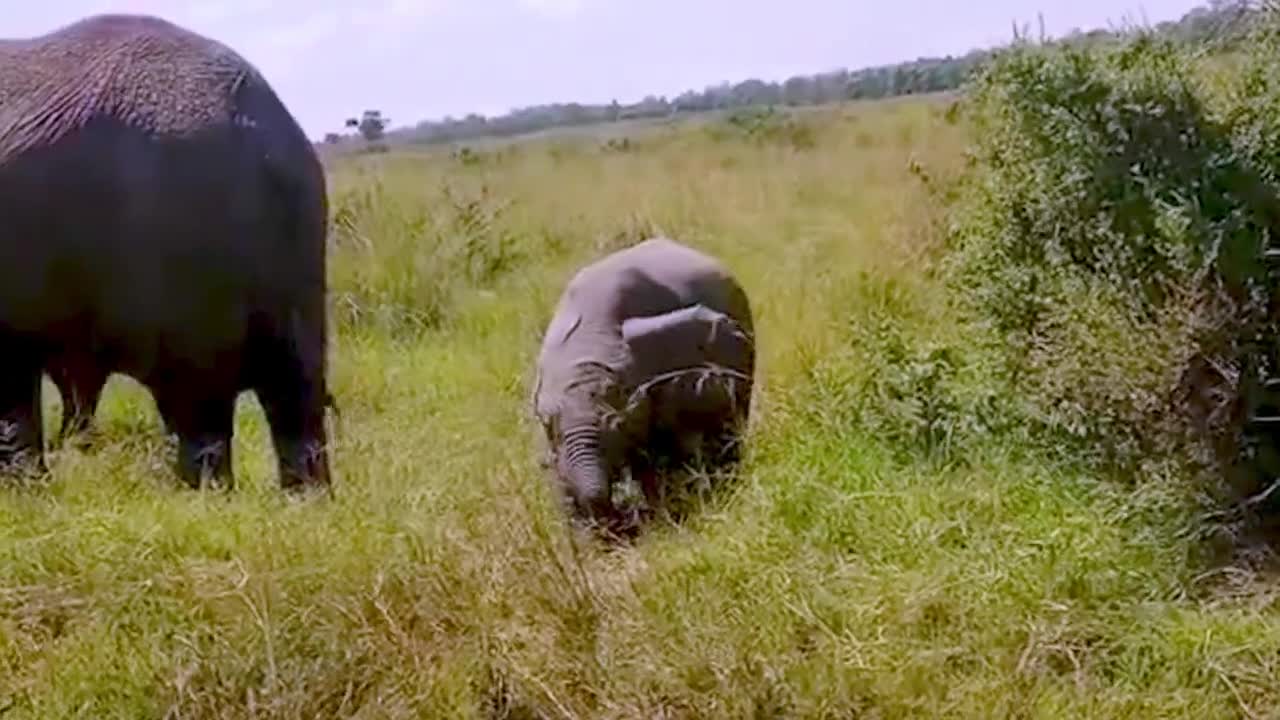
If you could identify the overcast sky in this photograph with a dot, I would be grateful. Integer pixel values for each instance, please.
(423, 59)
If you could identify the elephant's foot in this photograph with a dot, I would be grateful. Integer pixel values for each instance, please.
(21, 462)
(205, 462)
(651, 485)
(203, 423)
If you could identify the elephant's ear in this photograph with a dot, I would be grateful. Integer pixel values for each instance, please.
(558, 332)
(535, 392)
(542, 412)
(562, 327)
(690, 337)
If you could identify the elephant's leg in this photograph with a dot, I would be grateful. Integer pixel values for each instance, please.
(202, 418)
(723, 431)
(21, 416)
(60, 375)
(743, 390)
(646, 475)
(714, 418)
(81, 387)
(724, 446)
(293, 394)
(734, 432)
(661, 448)
(716, 440)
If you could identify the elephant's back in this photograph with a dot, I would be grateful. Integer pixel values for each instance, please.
(140, 71)
(658, 276)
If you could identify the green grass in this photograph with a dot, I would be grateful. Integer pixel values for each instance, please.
(847, 573)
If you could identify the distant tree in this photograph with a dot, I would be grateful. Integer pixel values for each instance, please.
(798, 91)
(754, 92)
(829, 87)
(688, 101)
(332, 138)
(371, 125)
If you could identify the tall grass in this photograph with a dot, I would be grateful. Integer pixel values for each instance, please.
(892, 547)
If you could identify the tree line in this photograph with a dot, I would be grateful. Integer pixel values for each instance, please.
(1219, 20)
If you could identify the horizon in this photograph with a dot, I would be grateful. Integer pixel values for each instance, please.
(578, 51)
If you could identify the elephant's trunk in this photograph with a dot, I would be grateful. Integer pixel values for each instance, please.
(585, 472)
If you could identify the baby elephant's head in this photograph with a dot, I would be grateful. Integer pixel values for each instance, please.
(587, 434)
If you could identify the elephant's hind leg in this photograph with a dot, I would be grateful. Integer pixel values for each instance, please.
(723, 441)
(81, 388)
(21, 417)
(202, 416)
(292, 391)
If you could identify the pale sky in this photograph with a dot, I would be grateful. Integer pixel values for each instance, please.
(423, 59)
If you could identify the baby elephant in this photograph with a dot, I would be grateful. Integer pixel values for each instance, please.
(651, 352)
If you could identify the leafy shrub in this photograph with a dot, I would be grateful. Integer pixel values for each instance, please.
(923, 399)
(766, 125)
(892, 379)
(467, 156)
(1254, 101)
(1111, 239)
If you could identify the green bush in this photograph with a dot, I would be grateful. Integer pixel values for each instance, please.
(1254, 99)
(924, 400)
(1111, 238)
(766, 125)
(894, 377)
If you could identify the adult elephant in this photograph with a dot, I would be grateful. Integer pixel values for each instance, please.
(163, 213)
(650, 352)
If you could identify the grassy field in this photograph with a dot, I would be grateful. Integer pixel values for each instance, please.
(860, 566)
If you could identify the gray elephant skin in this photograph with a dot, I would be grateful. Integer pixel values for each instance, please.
(164, 215)
(650, 353)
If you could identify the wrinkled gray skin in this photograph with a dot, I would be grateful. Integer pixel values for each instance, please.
(650, 351)
(162, 214)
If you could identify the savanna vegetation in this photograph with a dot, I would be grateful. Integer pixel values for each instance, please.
(1001, 463)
